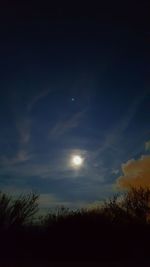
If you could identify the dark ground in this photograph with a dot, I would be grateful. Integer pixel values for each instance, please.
(43, 263)
(86, 243)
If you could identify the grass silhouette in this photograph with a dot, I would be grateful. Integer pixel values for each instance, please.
(118, 229)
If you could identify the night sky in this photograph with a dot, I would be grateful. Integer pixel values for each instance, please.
(72, 82)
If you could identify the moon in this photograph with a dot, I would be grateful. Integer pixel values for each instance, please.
(77, 161)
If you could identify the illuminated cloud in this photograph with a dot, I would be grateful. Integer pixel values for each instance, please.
(115, 171)
(136, 173)
(147, 146)
(49, 200)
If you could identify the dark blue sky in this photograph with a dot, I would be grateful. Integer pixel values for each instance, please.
(72, 82)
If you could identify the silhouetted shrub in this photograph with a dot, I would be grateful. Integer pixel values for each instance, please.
(18, 211)
(133, 206)
(5, 209)
(59, 214)
(136, 203)
(110, 231)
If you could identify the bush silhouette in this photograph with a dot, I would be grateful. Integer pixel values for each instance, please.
(18, 211)
(134, 205)
(117, 228)
(137, 203)
(131, 207)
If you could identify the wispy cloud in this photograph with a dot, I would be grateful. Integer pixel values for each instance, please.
(147, 146)
(37, 98)
(15, 189)
(23, 127)
(112, 138)
(20, 157)
(115, 171)
(46, 200)
(62, 127)
(50, 201)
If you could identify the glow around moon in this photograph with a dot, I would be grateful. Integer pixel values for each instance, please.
(77, 161)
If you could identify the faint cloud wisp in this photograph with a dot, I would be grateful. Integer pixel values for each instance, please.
(23, 127)
(22, 156)
(147, 146)
(36, 98)
(62, 127)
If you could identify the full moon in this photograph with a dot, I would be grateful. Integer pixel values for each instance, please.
(77, 161)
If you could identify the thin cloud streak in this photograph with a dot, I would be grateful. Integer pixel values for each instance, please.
(63, 127)
(114, 135)
(37, 98)
(22, 156)
(50, 201)
(23, 127)
(147, 146)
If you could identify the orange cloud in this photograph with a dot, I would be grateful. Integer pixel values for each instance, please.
(136, 173)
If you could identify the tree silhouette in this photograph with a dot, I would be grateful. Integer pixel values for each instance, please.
(134, 205)
(136, 202)
(19, 211)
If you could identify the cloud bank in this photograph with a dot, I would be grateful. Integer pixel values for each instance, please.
(136, 173)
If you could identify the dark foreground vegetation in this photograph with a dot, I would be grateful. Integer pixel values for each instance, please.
(118, 230)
